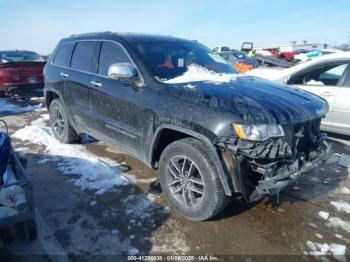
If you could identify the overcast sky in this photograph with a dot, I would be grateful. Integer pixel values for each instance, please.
(38, 25)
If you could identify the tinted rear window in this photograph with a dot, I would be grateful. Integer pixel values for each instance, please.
(63, 54)
(19, 56)
(83, 55)
(111, 53)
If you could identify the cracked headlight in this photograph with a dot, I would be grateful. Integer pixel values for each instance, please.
(258, 132)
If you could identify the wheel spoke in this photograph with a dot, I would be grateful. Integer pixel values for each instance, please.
(173, 173)
(196, 181)
(176, 166)
(190, 169)
(174, 182)
(184, 197)
(183, 166)
(191, 197)
(56, 113)
(196, 189)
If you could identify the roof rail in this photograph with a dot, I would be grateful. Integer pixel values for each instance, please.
(93, 33)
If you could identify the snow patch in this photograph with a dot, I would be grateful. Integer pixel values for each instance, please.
(318, 235)
(95, 173)
(322, 249)
(196, 73)
(341, 205)
(323, 214)
(339, 223)
(133, 251)
(344, 190)
(7, 107)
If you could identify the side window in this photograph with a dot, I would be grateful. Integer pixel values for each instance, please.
(63, 54)
(333, 75)
(111, 53)
(83, 55)
(326, 75)
(346, 82)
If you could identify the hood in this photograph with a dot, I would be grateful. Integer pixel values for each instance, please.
(272, 74)
(254, 101)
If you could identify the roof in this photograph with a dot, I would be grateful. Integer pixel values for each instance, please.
(126, 36)
(17, 50)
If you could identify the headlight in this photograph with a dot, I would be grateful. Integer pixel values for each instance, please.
(258, 132)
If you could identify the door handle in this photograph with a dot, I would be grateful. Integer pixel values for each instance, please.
(327, 94)
(96, 83)
(64, 74)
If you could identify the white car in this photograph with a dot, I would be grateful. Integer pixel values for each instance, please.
(263, 52)
(300, 58)
(327, 76)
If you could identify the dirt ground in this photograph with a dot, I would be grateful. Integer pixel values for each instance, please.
(136, 219)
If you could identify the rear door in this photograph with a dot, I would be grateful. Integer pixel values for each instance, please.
(56, 77)
(322, 80)
(341, 114)
(77, 84)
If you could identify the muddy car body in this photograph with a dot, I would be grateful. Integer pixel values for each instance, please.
(208, 137)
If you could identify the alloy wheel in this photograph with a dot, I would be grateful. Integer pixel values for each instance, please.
(58, 121)
(185, 181)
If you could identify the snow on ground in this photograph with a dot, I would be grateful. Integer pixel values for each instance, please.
(323, 214)
(345, 191)
(336, 222)
(197, 73)
(341, 205)
(7, 107)
(322, 249)
(95, 173)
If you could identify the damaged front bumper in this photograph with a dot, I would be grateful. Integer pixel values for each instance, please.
(258, 169)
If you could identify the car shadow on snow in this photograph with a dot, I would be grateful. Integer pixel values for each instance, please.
(89, 223)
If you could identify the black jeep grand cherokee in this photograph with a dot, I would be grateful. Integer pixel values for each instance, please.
(179, 108)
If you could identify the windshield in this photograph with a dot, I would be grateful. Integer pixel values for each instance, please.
(19, 56)
(171, 58)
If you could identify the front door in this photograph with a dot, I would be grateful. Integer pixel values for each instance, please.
(119, 114)
(322, 80)
(341, 114)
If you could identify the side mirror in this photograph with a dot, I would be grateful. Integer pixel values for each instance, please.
(122, 71)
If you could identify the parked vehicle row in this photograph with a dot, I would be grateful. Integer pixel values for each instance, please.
(239, 60)
(181, 109)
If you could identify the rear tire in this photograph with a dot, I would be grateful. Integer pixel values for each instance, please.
(61, 128)
(194, 192)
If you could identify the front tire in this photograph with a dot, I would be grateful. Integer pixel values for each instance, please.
(190, 180)
(61, 128)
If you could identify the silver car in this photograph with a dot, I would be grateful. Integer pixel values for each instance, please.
(327, 76)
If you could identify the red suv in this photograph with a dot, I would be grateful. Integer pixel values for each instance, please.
(21, 72)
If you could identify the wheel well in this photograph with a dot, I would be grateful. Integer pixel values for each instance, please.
(165, 138)
(50, 96)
